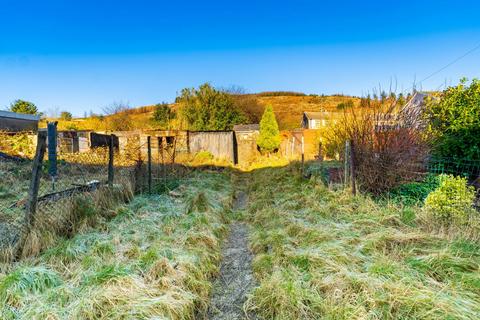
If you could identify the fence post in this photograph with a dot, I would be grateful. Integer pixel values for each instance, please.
(352, 168)
(52, 151)
(293, 146)
(31, 205)
(149, 151)
(110, 160)
(303, 156)
(346, 164)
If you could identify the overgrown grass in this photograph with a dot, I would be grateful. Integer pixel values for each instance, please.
(323, 254)
(153, 260)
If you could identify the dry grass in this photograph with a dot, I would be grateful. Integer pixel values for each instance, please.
(322, 254)
(153, 260)
(288, 111)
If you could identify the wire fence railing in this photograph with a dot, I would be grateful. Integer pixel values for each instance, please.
(385, 174)
(57, 192)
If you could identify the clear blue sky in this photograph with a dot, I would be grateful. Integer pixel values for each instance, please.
(83, 55)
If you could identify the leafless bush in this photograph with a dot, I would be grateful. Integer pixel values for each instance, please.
(389, 145)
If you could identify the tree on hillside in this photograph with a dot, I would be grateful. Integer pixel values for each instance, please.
(269, 139)
(249, 105)
(206, 108)
(66, 116)
(455, 122)
(162, 115)
(345, 105)
(22, 106)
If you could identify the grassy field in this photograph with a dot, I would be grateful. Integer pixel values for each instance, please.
(322, 254)
(319, 253)
(154, 259)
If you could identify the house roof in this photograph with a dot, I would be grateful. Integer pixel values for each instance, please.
(246, 127)
(19, 116)
(316, 115)
(417, 100)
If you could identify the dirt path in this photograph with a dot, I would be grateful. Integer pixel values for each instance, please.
(236, 277)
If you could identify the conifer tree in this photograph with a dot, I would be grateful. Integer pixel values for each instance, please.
(269, 139)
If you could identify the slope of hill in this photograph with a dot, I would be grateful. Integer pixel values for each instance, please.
(288, 110)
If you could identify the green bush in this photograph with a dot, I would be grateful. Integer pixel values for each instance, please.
(452, 200)
(454, 122)
(415, 192)
(208, 109)
(162, 115)
(203, 157)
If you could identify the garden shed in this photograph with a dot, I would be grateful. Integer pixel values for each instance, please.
(18, 122)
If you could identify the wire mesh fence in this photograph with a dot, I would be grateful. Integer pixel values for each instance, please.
(407, 177)
(58, 193)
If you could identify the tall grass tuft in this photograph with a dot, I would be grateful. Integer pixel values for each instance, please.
(150, 260)
(323, 254)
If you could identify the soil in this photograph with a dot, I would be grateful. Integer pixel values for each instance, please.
(236, 278)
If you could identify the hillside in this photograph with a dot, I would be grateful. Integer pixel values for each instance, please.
(288, 110)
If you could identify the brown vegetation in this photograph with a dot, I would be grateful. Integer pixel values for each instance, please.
(288, 109)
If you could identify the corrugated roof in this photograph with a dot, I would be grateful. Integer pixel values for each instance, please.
(20, 116)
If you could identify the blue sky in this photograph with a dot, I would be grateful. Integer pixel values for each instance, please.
(84, 55)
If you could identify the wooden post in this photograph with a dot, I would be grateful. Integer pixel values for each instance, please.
(303, 156)
(31, 205)
(149, 153)
(110, 160)
(293, 145)
(52, 151)
(352, 168)
(346, 164)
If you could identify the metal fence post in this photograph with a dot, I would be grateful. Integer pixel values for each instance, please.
(110, 160)
(149, 146)
(352, 168)
(31, 205)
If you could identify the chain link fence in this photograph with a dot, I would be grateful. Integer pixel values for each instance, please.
(386, 175)
(57, 192)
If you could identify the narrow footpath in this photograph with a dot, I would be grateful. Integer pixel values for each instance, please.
(236, 278)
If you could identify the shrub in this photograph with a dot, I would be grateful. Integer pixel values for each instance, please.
(207, 108)
(203, 157)
(269, 138)
(452, 200)
(16, 144)
(345, 105)
(281, 94)
(454, 121)
(66, 116)
(388, 151)
(415, 192)
(162, 115)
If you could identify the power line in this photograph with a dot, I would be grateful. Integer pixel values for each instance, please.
(443, 68)
(451, 63)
